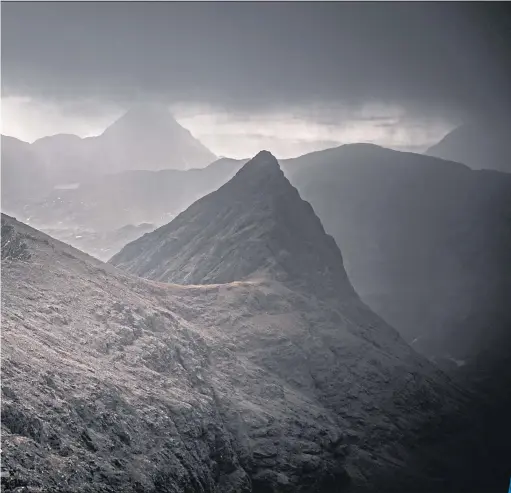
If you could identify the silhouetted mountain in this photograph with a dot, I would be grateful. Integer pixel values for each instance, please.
(480, 145)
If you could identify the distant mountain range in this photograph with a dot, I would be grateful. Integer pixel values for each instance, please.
(145, 138)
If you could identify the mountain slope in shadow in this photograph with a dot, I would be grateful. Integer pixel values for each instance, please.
(426, 242)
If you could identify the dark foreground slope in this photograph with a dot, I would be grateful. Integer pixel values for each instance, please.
(111, 383)
(116, 384)
(427, 244)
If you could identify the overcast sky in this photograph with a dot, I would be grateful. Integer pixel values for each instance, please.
(241, 76)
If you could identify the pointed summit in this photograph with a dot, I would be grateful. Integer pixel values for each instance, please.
(263, 159)
(263, 166)
(144, 118)
(149, 137)
(255, 226)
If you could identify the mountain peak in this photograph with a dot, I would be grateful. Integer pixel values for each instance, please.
(480, 144)
(262, 162)
(264, 157)
(144, 118)
(254, 226)
(261, 174)
(148, 137)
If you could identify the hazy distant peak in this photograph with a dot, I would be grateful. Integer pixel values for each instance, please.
(143, 119)
(9, 138)
(59, 137)
(480, 144)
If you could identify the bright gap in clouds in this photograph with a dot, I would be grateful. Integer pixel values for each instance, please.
(286, 134)
(29, 120)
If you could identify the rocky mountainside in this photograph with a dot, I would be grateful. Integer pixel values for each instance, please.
(480, 145)
(115, 383)
(425, 241)
(427, 245)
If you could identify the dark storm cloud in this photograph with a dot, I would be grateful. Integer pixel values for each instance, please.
(261, 56)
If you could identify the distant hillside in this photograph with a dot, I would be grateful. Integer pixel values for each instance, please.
(24, 175)
(111, 201)
(480, 145)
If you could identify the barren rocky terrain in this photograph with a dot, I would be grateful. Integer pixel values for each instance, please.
(279, 381)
